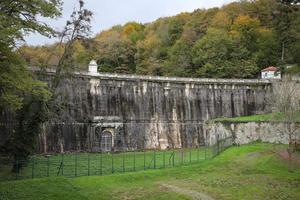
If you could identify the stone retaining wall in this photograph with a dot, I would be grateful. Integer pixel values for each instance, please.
(246, 132)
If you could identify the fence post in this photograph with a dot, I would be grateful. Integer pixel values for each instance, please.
(133, 160)
(112, 162)
(88, 164)
(164, 155)
(48, 164)
(218, 145)
(144, 159)
(198, 147)
(62, 164)
(32, 170)
(123, 161)
(205, 147)
(173, 157)
(101, 163)
(154, 161)
(190, 156)
(75, 164)
(17, 165)
(181, 156)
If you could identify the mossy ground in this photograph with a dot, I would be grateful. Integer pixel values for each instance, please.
(271, 117)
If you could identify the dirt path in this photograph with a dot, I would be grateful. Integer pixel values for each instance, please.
(284, 154)
(195, 195)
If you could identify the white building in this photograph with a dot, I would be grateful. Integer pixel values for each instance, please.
(271, 73)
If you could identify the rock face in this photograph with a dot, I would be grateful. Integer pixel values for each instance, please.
(246, 132)
(145, 112)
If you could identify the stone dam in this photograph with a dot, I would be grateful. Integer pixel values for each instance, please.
(113, 112)
(126, 112)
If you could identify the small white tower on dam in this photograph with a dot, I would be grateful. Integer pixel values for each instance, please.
(93, 67)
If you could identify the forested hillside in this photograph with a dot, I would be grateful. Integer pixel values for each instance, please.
(235, 41)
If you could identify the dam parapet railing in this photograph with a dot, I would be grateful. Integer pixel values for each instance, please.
(134, 77)
(104, 163)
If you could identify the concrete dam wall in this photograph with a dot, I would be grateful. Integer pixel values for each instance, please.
(107, 112)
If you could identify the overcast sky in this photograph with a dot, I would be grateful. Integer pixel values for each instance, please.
(108, 13)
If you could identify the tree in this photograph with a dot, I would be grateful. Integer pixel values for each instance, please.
(72, 38)
(200, 21)
(81, 55)
(285, 15)
(218, 55)
(246, 29)
(260, 43)
(268, 49)
(75, 33)
(114, 52)
(150, 53)
(221, 21)
(261, 10)
(45, 56)
(29, 118)
(168, 30)
(179, 62)
(18, 18)
(133, 31)
(234, 10)
(19, 91)
(262, 33)
(286, 99)
(78, 28)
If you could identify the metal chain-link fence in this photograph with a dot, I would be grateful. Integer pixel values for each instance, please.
(103, 163)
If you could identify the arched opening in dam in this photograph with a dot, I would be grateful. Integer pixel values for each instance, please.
(106, 141)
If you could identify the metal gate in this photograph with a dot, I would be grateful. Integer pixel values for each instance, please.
(106, 141)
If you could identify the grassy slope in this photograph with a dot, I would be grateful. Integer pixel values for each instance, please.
(247, 172)
(258, 118)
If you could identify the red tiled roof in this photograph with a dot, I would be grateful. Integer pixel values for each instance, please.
(271, 68)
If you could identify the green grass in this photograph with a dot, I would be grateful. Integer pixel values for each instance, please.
(85, 164)
(251, 171)
(277, 117)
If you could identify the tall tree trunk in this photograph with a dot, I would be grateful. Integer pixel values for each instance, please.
(282, 51)
(290, 148)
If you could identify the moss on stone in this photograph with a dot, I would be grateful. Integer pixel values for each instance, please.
(271, 117)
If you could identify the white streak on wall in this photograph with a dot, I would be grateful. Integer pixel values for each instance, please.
(95, 84)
